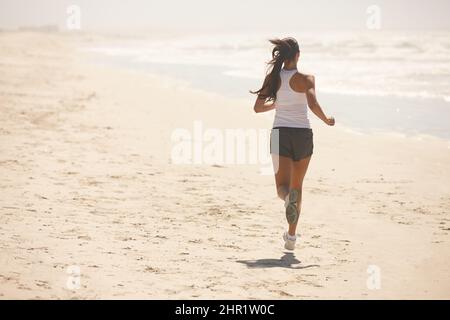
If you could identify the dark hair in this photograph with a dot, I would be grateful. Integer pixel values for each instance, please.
(285, 49)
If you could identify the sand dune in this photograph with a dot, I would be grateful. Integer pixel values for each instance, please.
(88, 182)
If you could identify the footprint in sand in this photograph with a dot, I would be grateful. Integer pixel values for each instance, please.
(151, 269)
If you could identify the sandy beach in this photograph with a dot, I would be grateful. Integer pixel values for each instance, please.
(93, 206)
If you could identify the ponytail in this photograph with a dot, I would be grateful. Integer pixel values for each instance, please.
(284, 50)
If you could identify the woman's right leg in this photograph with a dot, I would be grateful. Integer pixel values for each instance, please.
(298, 173)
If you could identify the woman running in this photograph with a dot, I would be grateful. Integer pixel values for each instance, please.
(290, 93)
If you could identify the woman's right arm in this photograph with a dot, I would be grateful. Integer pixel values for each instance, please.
(313, 103)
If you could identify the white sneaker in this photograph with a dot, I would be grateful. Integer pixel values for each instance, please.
(289, 241)
(290, 203)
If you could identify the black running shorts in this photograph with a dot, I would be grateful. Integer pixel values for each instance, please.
(294, 143)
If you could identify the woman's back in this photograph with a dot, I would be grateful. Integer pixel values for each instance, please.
(291, 106)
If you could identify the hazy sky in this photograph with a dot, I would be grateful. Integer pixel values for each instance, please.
(245, 15)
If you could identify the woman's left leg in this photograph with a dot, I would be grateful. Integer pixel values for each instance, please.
(282, 167)
(298, 172)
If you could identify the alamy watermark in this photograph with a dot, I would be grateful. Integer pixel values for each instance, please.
(73, 281)
(73, 21)
(374, 280)
(213, 146)
(373, 21)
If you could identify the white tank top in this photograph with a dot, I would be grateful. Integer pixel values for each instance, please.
(291, 107)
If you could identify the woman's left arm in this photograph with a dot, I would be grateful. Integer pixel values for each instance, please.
(260, 104)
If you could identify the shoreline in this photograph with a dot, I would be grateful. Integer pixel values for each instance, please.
(407, 115)
(88, 182)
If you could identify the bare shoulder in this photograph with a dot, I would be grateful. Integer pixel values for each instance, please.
(310, 80)
(303, 81)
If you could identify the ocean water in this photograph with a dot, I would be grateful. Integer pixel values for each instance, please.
(371, 81)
